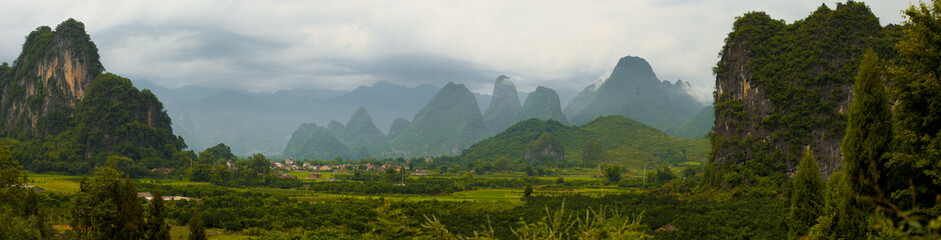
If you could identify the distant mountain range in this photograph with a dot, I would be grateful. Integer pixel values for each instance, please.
(264, 122)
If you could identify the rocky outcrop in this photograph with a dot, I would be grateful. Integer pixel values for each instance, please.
(49, 78)
(543, 103)
(781, 89)
(504, 105)
(545, 150)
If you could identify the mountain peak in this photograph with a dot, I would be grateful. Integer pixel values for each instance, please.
(504, 105)
(632, 68)
(543, 103)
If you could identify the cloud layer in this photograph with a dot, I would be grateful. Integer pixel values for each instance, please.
(271, 45)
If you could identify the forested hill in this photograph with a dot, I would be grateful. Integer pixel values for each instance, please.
(624, 141)
(60, 112)
(782, 88)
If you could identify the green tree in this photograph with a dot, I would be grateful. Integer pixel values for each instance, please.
(157, 228)
(612, 173)
(867, 139)
(807, 202)
(593, 153)
(501, 164)
(107, 207)
(527, 192)
(221, 152)
(197, 230)
(914, 177)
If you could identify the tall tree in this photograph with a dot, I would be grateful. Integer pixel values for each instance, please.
(197, 230)
(107, 207)
(868, 129)
(157, 228)
(867, 139)
(914, 172)
(807, 202)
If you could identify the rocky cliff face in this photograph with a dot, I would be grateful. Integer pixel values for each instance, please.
(47, 81)
(543, 103)
(504, 105)
(781, 89)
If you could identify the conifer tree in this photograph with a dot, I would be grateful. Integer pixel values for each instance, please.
(157, 228)
(197, 230)
(867, 139)
(807, 202)
(868, 130)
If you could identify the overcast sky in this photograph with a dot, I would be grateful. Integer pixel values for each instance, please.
(272, 45)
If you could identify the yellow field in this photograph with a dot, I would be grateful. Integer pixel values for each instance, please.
(55, 183)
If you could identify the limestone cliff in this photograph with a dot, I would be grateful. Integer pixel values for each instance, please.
(782, 88)
(46, 82)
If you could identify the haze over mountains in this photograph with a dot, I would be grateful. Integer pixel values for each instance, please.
(265, 122)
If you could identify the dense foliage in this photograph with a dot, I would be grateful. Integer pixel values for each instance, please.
(625, 142)
(791, 81)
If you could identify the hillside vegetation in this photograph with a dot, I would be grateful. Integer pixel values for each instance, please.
(625, 141)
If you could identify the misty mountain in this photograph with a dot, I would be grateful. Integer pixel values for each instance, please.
(504, 105)
(360, 133)
(398, 125)
(632, 90)
(312, 142)
(263, 122)
(450, 122)
(542, 104)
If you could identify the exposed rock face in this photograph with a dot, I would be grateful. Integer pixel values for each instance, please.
(546, 149)
(774, 100)
(361, 133)
(504, 106)
(449, 123)
(398, 125)
(542, 104)
(633, 91)
(681, 98)
(48, 79)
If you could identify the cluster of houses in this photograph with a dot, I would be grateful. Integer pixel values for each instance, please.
(290, 165)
